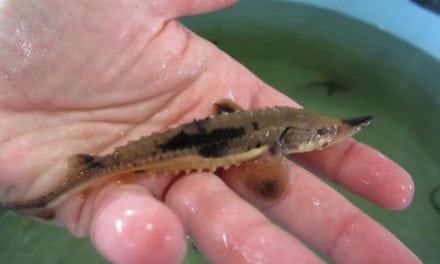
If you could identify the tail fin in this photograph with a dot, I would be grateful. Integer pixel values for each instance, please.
(42, 207)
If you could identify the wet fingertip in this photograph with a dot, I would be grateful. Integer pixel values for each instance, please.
(393, 189)
(132, 227)
(76, 212)
(404, 196)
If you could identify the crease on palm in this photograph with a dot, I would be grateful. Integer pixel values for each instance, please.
(89, 130)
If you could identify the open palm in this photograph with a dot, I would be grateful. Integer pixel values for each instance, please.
(86, 76)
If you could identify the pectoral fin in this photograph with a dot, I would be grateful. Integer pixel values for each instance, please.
(265, 177)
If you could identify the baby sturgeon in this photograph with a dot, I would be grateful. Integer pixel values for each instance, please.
(231, 137)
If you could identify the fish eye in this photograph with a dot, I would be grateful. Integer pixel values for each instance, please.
(322, 131)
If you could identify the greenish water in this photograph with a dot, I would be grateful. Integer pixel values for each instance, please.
(376, 74)
(290, 52)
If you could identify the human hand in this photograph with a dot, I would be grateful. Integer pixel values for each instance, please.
(87, 76)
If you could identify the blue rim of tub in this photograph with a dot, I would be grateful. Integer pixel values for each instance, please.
(402, 18)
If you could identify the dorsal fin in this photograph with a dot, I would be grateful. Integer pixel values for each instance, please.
(79, 160)
(226, 106)
(80, 163)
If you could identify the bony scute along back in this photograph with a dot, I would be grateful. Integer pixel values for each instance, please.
(258, 139)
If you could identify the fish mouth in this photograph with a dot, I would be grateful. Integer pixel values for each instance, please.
(358, 122)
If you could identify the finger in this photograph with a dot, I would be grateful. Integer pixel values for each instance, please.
(127, 225)
(364, 171)
(359, 168)
(172, 8)
(316, 213)
(227, 229)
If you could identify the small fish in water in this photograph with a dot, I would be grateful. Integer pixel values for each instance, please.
(260, 139)
(331, 85)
